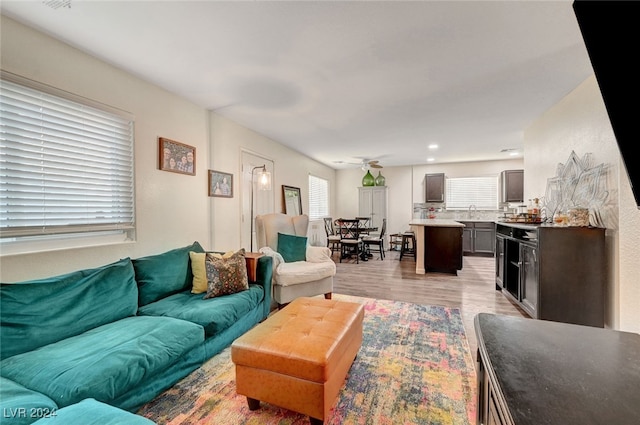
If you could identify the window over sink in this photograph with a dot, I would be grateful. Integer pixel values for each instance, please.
(479, 191)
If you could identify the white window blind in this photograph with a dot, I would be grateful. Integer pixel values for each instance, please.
(318, 198)
(479, 191)
(66, 166)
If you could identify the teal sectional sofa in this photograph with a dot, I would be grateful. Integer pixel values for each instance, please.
(117, 335)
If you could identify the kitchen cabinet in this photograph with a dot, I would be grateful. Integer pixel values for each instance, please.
(434, 187)
(373, 204)
(553, 273)
(512, 186)
(478, 238)
(532, 372)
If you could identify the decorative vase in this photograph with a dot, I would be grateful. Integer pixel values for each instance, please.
(368, 179)
(380, 180)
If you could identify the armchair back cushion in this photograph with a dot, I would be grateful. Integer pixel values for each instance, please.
(39, 312)
(269, 225)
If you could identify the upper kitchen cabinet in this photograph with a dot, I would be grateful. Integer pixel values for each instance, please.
(434, 187)
(511, 186)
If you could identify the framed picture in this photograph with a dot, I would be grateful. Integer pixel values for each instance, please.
(176, 157)
(292, 200)
(220, 184)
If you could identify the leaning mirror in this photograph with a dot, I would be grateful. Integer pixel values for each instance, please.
(292, 200)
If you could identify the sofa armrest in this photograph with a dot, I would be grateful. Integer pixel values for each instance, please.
(318, 254)
(264, 276)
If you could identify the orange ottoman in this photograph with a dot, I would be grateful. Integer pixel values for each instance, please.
(299, 357)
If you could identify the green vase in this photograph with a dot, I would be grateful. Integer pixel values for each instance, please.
(380, 180)
(368, 179)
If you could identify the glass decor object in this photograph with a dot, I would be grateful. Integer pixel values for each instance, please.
(368, 179)
(380, 180)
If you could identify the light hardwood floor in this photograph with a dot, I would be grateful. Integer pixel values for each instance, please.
(472, 290)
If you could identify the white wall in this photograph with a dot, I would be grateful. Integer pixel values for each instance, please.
(291, 169)
(172, 209)
(580, 123)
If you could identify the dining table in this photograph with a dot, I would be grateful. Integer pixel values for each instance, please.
(352, 228)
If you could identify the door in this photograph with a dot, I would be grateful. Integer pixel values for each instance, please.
(263, 200)
(499, 262)
(529, 280)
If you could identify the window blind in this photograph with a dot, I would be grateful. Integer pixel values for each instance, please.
(479, 191)
(65, 166)
(318, 198)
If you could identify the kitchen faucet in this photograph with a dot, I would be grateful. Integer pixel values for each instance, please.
(472, 211)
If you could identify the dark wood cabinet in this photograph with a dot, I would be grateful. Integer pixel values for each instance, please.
(533, 372)
(478, 238)
(512, 186)
(434, 187)
(553, 273)
(443, 249)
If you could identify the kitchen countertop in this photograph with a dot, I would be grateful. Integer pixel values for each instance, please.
(435, 222)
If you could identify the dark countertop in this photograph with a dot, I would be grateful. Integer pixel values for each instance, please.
(564, 374)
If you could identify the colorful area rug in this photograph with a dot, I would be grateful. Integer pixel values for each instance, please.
(414, 367)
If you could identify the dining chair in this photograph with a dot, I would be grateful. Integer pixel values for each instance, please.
(365, 222)
(376, 240)
(333, 238)
(350, 240)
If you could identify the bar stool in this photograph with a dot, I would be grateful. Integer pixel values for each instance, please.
(408, 246)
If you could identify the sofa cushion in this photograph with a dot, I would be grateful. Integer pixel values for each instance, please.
(292, 247)
(105, 362)
(38, 312)
(302, 272)
(226, 275)
(93, 412)
(22, 406)
(214, 314)
(164, 274)
(199, 269)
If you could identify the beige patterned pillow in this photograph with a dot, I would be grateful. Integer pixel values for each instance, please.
(226, 274)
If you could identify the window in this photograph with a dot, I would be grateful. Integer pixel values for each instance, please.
(66, 164)
(318, 198)
(479, 191)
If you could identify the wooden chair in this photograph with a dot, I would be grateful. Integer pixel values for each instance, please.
(333, 238)
(376, 240)
(350, 241)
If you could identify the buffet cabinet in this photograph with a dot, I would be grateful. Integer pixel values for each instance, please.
(553, 273)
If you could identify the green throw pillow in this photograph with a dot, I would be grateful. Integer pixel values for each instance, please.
(292, 248)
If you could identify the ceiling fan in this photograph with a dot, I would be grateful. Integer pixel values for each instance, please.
(365, 164)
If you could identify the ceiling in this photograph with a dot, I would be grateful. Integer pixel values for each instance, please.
(343, 81)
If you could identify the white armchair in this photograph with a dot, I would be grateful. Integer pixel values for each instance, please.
(291, 280)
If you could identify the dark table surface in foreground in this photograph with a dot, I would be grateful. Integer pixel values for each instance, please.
(557, 373)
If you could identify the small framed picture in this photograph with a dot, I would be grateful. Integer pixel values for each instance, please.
(176, 157)
(220, 184)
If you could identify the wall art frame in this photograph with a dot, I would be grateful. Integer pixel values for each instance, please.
(292, 200)
(176, 157)
(220, 184)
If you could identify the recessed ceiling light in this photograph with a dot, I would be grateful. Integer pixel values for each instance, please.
(430, 159)
(514, 153)
(433, 146)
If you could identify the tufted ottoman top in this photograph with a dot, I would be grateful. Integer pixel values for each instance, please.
(306, 339)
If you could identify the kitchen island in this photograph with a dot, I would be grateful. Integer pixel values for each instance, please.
(438, 245)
